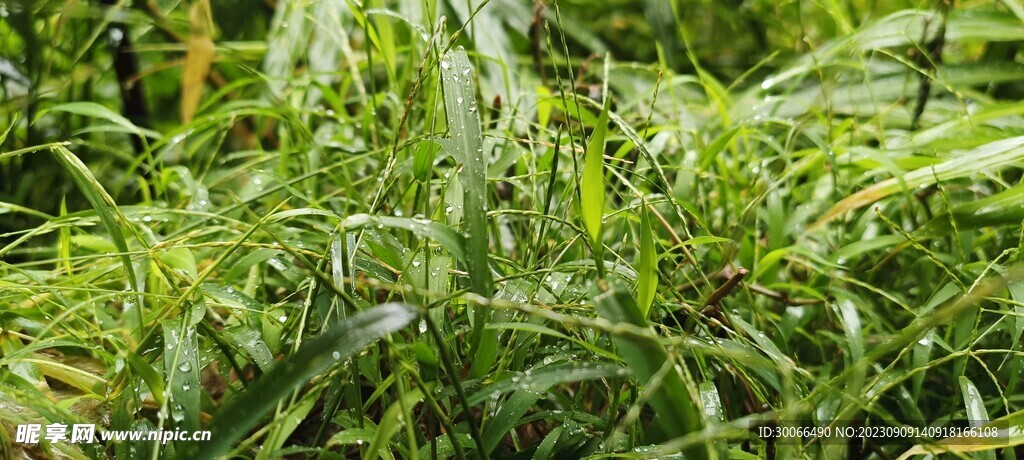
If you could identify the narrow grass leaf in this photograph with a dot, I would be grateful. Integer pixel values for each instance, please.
(647, 267)
(94, 110)
(592, 183)
(989, 156)
(1010, 434)
(529, 387)
(676, 405)
(973, 402)
(467, 142)
(149, 375)
(314, 356)
(1003, 208)
(706, 239)
(390, 423)
(249, 340)
(181, 366)
(423, 228)
(106, 209)
(14, 121)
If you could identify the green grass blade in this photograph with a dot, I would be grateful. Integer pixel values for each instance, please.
(993, 155)
(531, 387)
(3, 136)
(592, 184)
(647, 267)
(94, 110)
(675, 403)
(1010, 433)
(181, 366)
(467, 143)
(113, 221)
(390, 423)
(464, 123)
(436, 231)
(316, 355)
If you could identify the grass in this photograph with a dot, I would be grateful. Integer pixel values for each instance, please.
(510, 230)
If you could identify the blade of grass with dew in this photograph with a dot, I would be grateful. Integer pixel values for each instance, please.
(592, 189)
(674, 402)
(529, 387)
(464, 124)
(181, 366)
(449, 239)
(110, 216)
(314, 356)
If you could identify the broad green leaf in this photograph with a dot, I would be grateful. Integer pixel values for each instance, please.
(351, 436)
(94, 243)
(464, 124)
(339, 342)
(181, 259)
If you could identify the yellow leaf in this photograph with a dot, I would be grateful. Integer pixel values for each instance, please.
(198, 58)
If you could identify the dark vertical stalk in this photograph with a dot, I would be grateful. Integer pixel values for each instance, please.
(930, 58)
(126, 66)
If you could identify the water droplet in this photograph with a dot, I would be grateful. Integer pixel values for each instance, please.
(186, 387)
(459, 100)
(185, 367)
(147, 218)
(336, 356)
(178, 414)
(282, 318)
(445, 64)
(423, 326)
